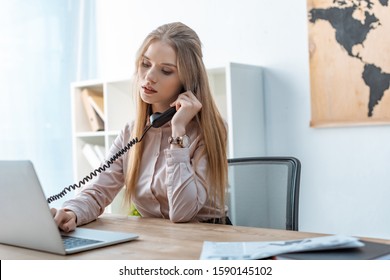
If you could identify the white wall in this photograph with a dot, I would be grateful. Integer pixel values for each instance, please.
(345, 183)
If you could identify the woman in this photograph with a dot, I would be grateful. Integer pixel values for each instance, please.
(179, 170)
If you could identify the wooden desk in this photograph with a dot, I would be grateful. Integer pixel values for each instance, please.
(160, 239)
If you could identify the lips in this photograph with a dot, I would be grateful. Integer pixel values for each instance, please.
(148, 89)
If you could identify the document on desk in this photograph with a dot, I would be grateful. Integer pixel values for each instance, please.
(260, 250)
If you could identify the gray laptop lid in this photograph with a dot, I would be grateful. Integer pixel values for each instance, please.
(25, 216)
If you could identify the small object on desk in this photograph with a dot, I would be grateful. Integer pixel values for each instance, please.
(262, 250)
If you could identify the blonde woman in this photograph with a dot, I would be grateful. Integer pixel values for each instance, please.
(179, 170)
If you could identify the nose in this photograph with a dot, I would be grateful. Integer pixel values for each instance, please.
(151, 75)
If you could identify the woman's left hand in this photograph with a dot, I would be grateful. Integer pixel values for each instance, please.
(187, 106)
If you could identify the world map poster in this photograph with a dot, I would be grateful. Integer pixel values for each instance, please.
(349, 45)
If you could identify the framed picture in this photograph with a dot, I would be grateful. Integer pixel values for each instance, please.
(349, 46)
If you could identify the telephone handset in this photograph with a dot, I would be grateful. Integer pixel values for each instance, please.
(155, 120)
(158, 119)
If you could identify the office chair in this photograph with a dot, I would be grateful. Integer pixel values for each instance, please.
(264, 192)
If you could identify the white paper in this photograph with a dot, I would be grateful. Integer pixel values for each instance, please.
(261, 250)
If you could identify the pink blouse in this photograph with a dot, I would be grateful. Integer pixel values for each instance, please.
(172, 182)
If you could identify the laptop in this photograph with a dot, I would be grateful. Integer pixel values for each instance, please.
(26, 220)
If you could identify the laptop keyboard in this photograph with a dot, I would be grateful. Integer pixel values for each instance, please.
(72, 242)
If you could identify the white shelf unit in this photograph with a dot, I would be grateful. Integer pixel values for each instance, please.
(238, 92)
(118, 110)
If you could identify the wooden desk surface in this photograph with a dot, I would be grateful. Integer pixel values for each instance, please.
(160, 239)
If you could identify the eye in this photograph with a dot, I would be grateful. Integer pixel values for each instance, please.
(145, 63)
(166, 71)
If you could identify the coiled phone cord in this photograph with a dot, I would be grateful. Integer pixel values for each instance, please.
(100, 169)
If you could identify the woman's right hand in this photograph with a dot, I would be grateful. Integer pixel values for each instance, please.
(65, 219)
(187, 106)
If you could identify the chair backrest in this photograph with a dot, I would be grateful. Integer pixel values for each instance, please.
(264, 192)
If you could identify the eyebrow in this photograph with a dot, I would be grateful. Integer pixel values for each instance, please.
(164, 63)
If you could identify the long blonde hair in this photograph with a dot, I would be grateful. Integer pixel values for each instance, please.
(193, 76)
